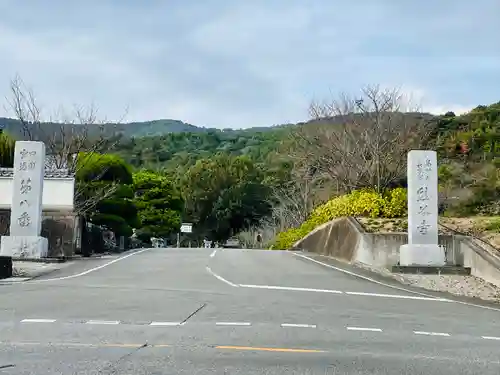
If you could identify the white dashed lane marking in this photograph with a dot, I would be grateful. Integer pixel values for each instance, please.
(364, 329)
(298, 325)
(103, 322)
(431, 333)
(236, 324)
(38, 321)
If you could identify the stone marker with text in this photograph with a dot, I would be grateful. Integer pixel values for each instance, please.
(422, 248)
(24, 240)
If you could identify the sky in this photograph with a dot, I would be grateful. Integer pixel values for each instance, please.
(244, 63)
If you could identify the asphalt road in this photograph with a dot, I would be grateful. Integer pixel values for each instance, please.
(200, 311)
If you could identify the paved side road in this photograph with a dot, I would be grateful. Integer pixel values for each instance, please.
(205, 311)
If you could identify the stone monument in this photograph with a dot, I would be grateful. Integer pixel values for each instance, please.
(24, 240)
(422, 248)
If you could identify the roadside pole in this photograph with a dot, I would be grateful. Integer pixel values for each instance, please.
(185, 228)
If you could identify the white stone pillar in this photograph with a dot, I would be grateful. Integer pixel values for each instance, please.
(422, 247)
(24, 240)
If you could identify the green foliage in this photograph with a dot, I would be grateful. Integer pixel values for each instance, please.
(493, 225)
(474, 135)
(126, 130)
(483, 200)
(468, 147)
(224, 195)
(176, 151)
(102, 167)
(358, 203)
(159, 205)
(7, 145)
(98, 174)
(118, 213)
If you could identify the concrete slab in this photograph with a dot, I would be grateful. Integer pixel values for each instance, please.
(432, 270)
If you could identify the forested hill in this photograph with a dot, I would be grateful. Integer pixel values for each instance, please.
(128, 130)
(183, 149)
(166, 144)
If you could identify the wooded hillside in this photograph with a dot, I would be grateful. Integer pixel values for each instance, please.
(268, 180)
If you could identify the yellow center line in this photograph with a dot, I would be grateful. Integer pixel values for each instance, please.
(288, 350)
(136, 346)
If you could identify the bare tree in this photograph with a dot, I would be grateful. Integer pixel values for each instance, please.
(294, 200)
(71, 139)
(362, 141)
(266, 228)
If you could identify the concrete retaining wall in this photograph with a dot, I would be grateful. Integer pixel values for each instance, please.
(483, 260)
(337, 238)
(346, 239)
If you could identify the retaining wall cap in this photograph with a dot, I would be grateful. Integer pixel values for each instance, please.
(55, 173)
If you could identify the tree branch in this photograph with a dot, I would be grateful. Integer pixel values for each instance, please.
(362, 142)
(71, 139)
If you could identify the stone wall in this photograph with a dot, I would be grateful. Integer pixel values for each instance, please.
(58, 227)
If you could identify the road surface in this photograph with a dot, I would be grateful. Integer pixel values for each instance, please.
(205, 311)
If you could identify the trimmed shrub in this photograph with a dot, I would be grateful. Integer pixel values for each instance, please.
(358, 203)
(493, 225)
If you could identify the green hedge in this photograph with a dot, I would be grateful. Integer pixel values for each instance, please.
(358, 203)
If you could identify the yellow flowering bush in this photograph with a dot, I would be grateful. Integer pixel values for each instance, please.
(395, 203)
(358, 203)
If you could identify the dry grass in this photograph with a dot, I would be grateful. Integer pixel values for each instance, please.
(484, 227)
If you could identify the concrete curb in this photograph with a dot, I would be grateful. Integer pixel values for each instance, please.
(18, 280)
(14, 280)
(21, 279)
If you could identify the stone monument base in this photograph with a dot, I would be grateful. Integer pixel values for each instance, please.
(421, 255)
(432, 270)
(18, 247)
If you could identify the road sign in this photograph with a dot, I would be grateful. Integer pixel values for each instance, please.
(187, 228)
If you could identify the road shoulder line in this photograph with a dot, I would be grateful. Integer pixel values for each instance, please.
(209, 270)
(364, 277)
(89, 270)
(452, 298)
